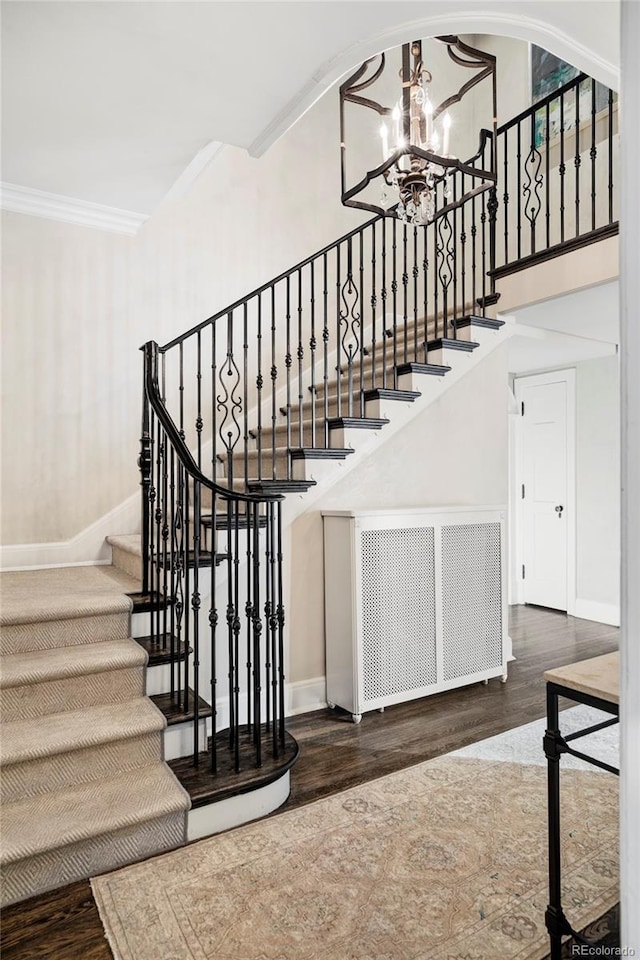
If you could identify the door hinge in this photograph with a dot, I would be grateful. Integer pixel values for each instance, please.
(523, 571)
(522, 409)
(523, 491)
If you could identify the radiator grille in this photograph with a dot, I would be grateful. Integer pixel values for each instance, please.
(471, 598)
(398, 611)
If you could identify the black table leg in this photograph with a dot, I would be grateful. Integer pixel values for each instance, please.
(555, 920)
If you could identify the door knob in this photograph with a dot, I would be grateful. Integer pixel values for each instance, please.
(559, 510)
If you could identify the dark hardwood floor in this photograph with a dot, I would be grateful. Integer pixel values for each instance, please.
(336, 754)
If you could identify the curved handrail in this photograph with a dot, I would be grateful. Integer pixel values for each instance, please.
(152, 390)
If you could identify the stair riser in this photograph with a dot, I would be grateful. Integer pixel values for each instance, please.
(77, 861)
(48, 774)
(72, 693)
(51, 634)
(129, 563)
(178, 739)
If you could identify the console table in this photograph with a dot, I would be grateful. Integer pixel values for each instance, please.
(596, 683)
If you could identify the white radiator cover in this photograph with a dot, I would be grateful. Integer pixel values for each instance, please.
(415, 603)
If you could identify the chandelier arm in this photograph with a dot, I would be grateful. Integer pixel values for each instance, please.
(352, 86)
(462, 92)
(455, 43)
(371, 104)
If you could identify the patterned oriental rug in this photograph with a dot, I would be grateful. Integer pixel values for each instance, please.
(446, 860)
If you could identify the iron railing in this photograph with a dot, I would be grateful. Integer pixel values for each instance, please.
(241, 641)
(557, 164)
(232, 406)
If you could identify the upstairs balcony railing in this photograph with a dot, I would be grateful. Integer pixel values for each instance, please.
(557, 163)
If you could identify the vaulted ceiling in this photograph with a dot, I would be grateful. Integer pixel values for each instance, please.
(109, 102)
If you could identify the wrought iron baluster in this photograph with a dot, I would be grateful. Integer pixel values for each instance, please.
(313, 343)
(195, 607)
(259, 385)
(532, 185)
(361, 330)
(172, 567)
(300, 355)
(394, 300)
(593, 153)
(483, 220)
(463, 252)
(181, 388)
(505, 195)
(272, 622)
(374, 304)
(519, 190)
(349, 333)
(245, 387)
(562, 168)
(338, 336)
(213, 625)
(257, 656)
(267, 612)
(416, 273)
(577, 161)
(178, 586)
(474, 269)
(144, 463)
(187, 594)
(281, 621)
(325, 348)
(273, 375)
(610, 152)
(383, 297)
(164, 489)
(288, 360)
(248, 608)
(547, 178)
(454, 247)
(436, 256)
(230, 616)
(405, 285)
(425, 278)
(199, 423)
(236, 627)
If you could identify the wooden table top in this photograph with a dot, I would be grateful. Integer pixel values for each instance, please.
(599, 677)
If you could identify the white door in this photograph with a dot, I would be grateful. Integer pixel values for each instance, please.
(547, 470)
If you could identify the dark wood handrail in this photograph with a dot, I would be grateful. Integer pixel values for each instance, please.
(150, 350)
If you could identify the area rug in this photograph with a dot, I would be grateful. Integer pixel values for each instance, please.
(445, 860)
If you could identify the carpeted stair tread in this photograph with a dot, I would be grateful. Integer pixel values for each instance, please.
(52, 821)
(41, 666)
(26, 740)
(64, 593)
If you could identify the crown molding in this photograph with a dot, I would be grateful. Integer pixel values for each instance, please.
(82, 213)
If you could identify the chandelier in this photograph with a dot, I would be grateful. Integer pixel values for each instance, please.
(416, 137)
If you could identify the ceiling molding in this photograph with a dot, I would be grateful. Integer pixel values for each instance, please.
(82, 213)
(190, 174)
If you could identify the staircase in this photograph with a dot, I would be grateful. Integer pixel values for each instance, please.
(84, 785)
(144, 704)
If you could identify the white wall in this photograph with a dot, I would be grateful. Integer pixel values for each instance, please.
(77, 303)
(630, 354)
(598, 489)
(453, 454)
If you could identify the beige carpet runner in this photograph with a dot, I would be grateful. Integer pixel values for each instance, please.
(443, 861)
(83, 786)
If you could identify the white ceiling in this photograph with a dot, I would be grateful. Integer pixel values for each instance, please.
(108, 102)
(579, 326)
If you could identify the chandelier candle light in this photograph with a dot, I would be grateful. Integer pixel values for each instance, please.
(416, 137)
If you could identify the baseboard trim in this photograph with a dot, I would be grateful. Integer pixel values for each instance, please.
(87, 548)
(608, 613)
(304, 696)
